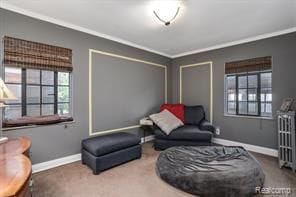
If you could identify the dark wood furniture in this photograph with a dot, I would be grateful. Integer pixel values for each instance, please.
(15, 168)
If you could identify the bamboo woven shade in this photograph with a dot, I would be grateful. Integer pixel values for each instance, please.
(34, 55)
(250, 65)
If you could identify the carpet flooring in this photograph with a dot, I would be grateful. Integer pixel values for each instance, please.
(133, 179)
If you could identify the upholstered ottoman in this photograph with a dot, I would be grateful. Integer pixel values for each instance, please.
(103, 152)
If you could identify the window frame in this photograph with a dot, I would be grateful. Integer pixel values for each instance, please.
(70, 93)
(55, 86)
(236, 101)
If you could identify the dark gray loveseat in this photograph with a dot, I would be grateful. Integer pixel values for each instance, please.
(196, 131)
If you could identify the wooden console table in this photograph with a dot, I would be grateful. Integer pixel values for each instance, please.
(15, 168)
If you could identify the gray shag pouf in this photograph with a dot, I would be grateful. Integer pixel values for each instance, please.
(211, 170)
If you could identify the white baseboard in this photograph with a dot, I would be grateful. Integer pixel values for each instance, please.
(69, 159)
(77, 157)
(249, 147)
(55, 163)
(147, 139)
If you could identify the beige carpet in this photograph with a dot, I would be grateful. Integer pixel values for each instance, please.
(133, 179)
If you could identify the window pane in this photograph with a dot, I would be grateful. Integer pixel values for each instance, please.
(266, 81)
(231, 108)
(47, 77)
(266, 94)
(17, 91)
(13, 75)
(242, 95)
(252, 81)
(242, 81)
(243, 108)
(33, 94)
(33, 76)
(33, 110)
(231, 95)
(12, 112)
(47, 94)
(253, 108)
(63, 94)
(266, 109)
(63, 108)
(230, 81)
(63, 78)
(269, 97)
(263, 97)
(47, 109)
(252, 94)
(263, 107)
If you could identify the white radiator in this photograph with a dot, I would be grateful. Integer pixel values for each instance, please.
(286, 139)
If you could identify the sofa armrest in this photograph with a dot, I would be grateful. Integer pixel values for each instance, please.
(206, 125)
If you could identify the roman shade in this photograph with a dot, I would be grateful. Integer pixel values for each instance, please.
(249, 65)
(34, 55)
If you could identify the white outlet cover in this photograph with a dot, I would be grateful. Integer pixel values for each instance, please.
(217, 131)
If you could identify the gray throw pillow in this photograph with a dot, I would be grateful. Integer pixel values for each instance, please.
(166, 121)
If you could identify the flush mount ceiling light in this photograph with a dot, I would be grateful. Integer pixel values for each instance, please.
(166, 11)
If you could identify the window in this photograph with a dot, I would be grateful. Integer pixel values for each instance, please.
(38, 92)
(243, 92)
(248, 87)
(39, 75)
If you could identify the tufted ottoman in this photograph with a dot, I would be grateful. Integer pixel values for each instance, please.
(211, 170)
(103, 152)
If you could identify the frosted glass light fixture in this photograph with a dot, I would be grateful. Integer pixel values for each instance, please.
(166, 11)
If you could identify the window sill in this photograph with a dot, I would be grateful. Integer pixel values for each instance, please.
(36, 126)
(249, 117)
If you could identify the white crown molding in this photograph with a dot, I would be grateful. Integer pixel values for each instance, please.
(69, 159)
(53, 20)
(249, 147)
(228, 44)
(12, 8)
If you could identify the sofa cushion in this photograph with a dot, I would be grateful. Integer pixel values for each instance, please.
(194, 114)
(161, 144)
(166, 121)
(39, 120)
(186, 132)
(176, 109)
(105, 144)
(206, 125)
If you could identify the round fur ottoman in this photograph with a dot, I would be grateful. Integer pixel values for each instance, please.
(211, 170)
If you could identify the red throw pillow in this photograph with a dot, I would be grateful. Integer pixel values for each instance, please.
(176, 109)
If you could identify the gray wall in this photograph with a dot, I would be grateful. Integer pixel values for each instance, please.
(51, 142)
(124, 91)
(196, 86)
(252, 131)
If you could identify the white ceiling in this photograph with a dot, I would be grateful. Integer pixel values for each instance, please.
(201, 25)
